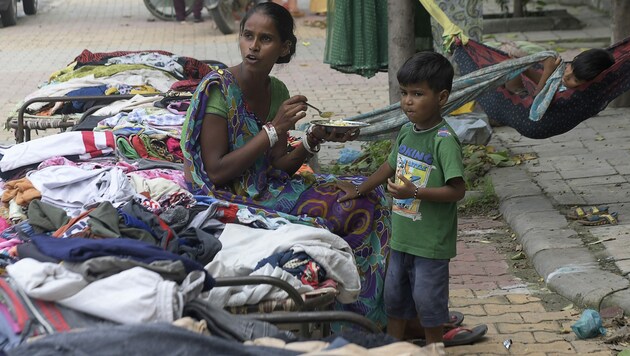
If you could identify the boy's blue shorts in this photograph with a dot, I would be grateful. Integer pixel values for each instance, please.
(417, 286)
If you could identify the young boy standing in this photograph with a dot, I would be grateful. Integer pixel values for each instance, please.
(426, 163)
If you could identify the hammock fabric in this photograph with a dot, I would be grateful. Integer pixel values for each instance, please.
(385, 122)
(567, 109)
(486, 68)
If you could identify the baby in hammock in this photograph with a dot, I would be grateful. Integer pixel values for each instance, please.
(584, 68)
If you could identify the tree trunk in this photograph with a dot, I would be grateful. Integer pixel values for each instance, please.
(518, 8)
(621, 30)
(401, 41)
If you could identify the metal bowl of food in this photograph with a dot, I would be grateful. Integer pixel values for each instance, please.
(340, 126)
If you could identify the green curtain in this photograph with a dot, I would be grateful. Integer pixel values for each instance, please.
(422, 28)
(356, 36)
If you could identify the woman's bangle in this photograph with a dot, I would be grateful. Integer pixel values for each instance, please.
(310, 133)
(415, 193)
(271, 134)
(356, 189)
(308, 148)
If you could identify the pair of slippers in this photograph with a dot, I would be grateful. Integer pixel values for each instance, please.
(457, 335)
(593, 215)
(601, 219)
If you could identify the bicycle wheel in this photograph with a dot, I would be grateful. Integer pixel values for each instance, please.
(164, 9)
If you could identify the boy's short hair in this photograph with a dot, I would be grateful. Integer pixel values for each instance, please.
(430, 67)
(588, 64)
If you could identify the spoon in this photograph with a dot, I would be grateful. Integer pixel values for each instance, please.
(323, 114)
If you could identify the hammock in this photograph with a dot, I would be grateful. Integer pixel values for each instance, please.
(487, 69)
(567, 109)
(384, 123)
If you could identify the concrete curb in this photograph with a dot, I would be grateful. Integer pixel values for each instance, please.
(551, 20)
(555, 250)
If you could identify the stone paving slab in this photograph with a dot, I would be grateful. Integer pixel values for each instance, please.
(618, 237)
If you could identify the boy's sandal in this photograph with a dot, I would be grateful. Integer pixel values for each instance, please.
(464, 336)
(459, 336)
(455, 319)
(578, 213)
(601, 219)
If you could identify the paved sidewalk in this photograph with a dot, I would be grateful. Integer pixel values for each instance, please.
(486, 290)
(589, 165)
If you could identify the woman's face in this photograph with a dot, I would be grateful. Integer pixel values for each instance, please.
(260, 43)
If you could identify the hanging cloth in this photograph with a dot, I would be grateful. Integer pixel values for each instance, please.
(356, 36)
(450, 29)
(466, 14)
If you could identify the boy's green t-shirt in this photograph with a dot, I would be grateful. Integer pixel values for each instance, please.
(217, 104)
(429, 159)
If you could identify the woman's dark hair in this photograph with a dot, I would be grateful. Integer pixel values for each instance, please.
(588, 64)
(430, 67)
(283, 20)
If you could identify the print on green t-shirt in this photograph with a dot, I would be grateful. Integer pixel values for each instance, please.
(417, 172)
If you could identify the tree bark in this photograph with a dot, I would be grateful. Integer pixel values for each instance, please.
(621, 30)
(401, 41)
(518, 8)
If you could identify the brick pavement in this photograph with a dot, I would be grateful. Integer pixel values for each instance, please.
(482, 285)
(485, 289)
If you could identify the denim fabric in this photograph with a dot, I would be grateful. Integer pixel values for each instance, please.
(139, 339)
(8, 338)
(230, 326)
(198, 245)
(417, 286)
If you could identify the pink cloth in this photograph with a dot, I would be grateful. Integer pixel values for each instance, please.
(4, 224)
(170, 174)
(10, 243)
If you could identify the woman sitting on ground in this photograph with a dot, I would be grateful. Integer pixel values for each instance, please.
(235, 148)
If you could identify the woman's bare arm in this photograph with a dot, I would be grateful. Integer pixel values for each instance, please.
(221, 166)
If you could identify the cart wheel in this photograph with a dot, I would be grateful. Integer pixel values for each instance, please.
(240, 9)
(223, 16)
(9, 16)
(30, 6)
(164, 9)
